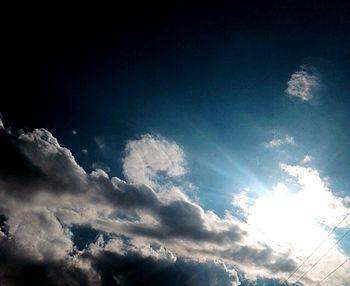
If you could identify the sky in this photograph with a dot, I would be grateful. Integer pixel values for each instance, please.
(176, 144)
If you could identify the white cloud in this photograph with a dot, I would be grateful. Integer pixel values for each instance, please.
(276, 143)
(242, 201)
(147, 157)
(296, 222)
(164, 224)
(102, 166)
(40, 234)
(302, 84)
(306, 159)
(58, 194)
(328, 208)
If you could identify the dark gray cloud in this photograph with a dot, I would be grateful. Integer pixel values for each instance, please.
(18, 269)
(16, 169)
(135, 270)
(109, 269)
(183, 219)
(33, 161)
(263, 256)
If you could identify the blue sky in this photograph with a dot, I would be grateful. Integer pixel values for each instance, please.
(222, 110)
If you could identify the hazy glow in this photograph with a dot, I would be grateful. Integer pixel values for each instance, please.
(296, 222)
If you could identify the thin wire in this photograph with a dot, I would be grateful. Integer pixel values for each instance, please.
(334, 270)
(312, 267)
(317, 247)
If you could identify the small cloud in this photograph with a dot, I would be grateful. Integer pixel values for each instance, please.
(85, 151)
(74, 132)
(306, 159)
(99, 142)
(242, 201)
(302, 84)
(276, 143)
(152, 157)
(1, 124)
(101, 166)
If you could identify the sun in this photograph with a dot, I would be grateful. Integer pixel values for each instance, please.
(295, 222)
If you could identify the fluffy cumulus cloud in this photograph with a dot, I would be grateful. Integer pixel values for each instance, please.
(60, 225)
(302, 84)
(151, 156)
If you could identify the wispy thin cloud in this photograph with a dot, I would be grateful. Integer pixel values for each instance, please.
(278, 142)
(99, 142)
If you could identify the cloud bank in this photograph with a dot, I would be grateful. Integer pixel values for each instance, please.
(63, 226)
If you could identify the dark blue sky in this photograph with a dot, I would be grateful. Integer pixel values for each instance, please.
(209, 78)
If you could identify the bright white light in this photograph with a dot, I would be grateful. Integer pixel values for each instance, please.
(296, 222)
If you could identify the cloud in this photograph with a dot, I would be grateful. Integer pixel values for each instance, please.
(40, 234)
(148, 157)
(18, 269)
(302, 84)
(276, 143)
(135, 269)
(242, 201)
(127, 267)
(297, 222)
(306, 159)
(45, 194)
(99, 142)
(34, 162)
(52, 209)
(102, 166)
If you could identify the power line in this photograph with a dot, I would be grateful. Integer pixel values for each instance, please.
(317, 247)
(334, 270)
(312, 267)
